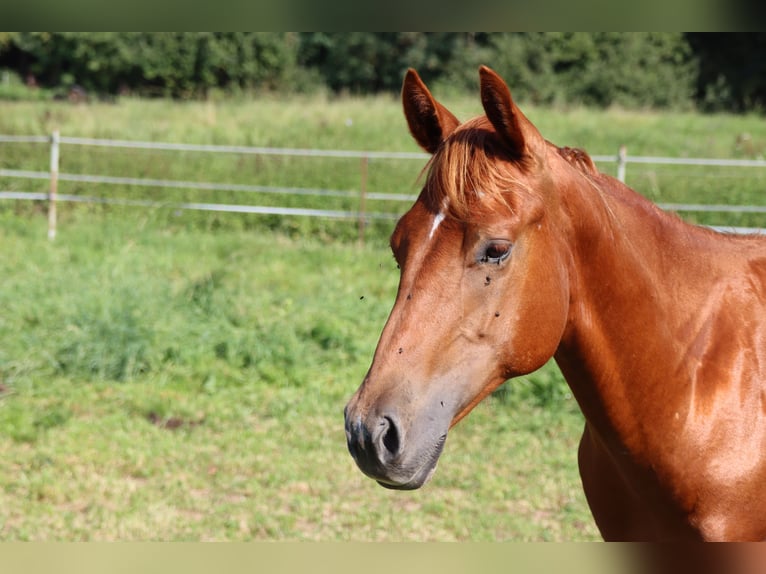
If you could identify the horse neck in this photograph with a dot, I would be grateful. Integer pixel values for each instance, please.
(628, 261)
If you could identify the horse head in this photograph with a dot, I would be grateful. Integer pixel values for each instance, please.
(483, 292)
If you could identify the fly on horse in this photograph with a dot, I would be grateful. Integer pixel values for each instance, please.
(517, 251)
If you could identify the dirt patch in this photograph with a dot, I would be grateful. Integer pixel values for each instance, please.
(172, 423)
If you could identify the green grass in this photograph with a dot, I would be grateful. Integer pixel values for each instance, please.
(359, 124)
(172, 385)
(181, 376)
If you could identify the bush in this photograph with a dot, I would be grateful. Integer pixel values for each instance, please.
(176, 64)
(657, 69)
(601, 69)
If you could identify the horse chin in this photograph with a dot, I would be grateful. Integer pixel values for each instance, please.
(413, 484)
(423, 474)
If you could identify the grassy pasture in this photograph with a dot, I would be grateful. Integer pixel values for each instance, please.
(360, 124)
(168, 384)
(181, 376)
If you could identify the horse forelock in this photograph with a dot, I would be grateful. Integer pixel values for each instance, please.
(472, 169)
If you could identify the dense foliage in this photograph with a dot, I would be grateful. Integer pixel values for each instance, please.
(711, 71)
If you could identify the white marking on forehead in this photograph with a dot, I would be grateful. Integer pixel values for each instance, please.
(438, 218)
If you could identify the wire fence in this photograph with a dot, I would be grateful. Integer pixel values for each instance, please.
(55, 141)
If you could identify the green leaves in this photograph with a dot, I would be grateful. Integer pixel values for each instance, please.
(175, 64)
(647, 69)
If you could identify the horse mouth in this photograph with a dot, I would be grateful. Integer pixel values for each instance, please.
(422, 474)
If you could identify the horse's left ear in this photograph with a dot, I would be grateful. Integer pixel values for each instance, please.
(519, 133)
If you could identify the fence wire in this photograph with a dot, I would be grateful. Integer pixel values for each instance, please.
(621, 159)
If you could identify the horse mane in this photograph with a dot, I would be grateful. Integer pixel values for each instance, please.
(579, 159)
(465, 170)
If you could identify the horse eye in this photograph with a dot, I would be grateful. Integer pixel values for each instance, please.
(496, 252)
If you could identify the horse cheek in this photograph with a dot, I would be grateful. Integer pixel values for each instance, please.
(538, 322)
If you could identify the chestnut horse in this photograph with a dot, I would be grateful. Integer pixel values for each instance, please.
(517, 251)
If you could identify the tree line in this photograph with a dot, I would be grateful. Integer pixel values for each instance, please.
(708, 71)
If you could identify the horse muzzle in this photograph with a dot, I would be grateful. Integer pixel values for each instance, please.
(381, 448)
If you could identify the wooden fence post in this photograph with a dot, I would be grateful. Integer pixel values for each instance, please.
(622, 160)
(53, 191)
(362, 198)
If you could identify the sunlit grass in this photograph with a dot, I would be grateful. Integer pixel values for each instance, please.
(346, 123)
(179, 376)
(174, 385)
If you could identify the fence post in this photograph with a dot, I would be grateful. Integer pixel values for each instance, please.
(53, 191)
(362, 197)
(622, 160)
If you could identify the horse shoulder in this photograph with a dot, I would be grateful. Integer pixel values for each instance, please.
(725, 419)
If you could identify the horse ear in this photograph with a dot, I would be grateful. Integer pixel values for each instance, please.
(430, 122)
(517, 131)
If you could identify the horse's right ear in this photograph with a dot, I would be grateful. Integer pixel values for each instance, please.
(430, 122)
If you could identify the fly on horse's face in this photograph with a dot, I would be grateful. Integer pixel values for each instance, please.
(483, 295)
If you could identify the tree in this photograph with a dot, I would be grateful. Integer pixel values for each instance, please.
(732, 70)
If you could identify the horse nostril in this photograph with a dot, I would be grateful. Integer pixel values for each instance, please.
(391, 437)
